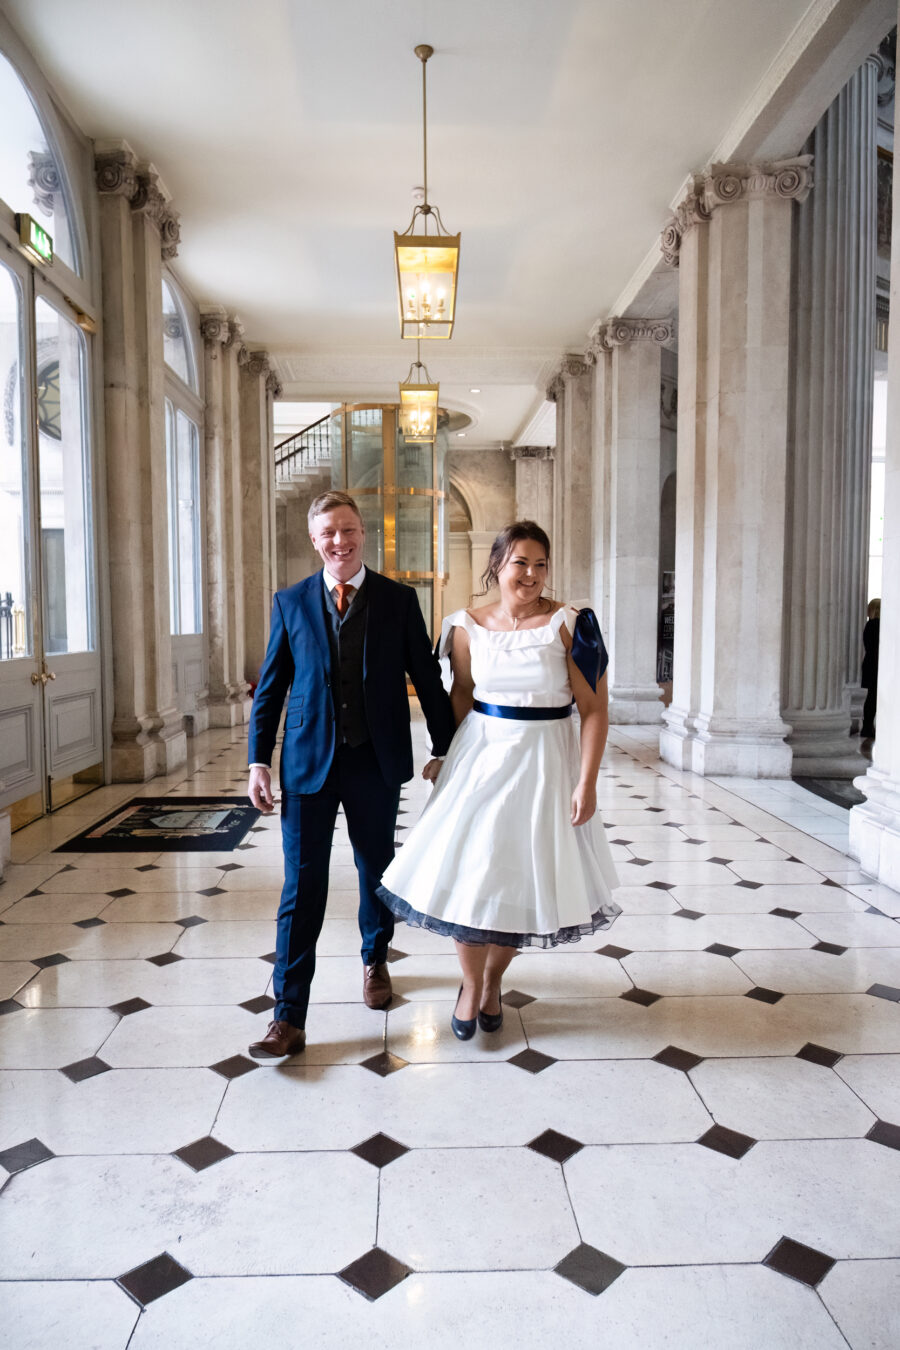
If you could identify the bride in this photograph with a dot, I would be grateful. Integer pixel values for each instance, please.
(510, 851)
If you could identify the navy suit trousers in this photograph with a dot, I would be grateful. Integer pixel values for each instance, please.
(307, 825)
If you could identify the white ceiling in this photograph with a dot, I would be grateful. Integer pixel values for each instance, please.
(288, 133)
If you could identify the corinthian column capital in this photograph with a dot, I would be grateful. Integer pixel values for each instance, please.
(724, 184)
(531, 452)
(619, 332)
(259, 366)
(215, 329)
(115, 168)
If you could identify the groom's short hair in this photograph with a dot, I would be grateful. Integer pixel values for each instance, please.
(330, 501)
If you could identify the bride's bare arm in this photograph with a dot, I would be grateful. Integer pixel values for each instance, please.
(462, 690)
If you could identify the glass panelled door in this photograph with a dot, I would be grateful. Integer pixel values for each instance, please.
(50, 716)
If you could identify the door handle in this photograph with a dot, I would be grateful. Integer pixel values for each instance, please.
(38, 679)
(49, 674)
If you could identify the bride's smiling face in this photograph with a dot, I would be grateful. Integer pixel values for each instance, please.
(523, 576)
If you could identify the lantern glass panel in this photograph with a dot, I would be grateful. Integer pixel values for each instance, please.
(426, 282)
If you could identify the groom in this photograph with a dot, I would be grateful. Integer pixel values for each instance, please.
(342, 642)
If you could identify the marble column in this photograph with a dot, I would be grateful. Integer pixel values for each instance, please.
(875, 825)
(570, 389)
(830, 440)
(534, 483)
(224, 581)
(480, 545)
(626, 507)
(732, 239)
(258, 387)
(137, 227)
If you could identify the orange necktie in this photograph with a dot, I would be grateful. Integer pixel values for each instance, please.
(343, 594)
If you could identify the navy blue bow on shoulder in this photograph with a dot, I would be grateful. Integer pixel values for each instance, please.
(588, 648)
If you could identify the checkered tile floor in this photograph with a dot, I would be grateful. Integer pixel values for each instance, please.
(687, 1134)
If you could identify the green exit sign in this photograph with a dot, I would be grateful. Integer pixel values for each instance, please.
(35, 239)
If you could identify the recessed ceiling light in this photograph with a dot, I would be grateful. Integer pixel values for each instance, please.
(460, 433)
(474, 391)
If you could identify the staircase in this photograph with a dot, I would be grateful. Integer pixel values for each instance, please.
(302, 471)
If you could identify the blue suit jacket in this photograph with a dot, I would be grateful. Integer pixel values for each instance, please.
(299, 658)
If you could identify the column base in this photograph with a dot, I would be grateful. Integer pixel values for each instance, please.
(132, 761)
(675, 737)
(875, 827)
(230, 711)
(731, 749)
(640, 705)
(821, 745)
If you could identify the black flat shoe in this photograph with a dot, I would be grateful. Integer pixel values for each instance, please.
(463, 1031)
(491, 1021)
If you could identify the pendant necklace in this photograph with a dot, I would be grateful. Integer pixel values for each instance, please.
(515, 621)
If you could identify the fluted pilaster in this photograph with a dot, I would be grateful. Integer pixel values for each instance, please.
(830, 445)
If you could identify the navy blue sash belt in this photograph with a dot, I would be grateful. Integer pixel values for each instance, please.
(522, 714)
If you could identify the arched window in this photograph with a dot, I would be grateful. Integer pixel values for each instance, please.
(177, 348)
(183, 469)
(31, 178)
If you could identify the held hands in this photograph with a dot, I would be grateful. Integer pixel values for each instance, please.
(431, 770)
(584, 803)
(259, 790)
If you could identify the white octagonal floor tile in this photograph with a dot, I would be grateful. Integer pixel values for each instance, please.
(780, 1098)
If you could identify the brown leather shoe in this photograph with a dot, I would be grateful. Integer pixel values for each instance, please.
(280, 1039)
(377, 991)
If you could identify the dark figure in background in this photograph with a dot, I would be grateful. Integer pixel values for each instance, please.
(869, 676)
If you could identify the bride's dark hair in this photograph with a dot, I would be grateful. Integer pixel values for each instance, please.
(502, 547)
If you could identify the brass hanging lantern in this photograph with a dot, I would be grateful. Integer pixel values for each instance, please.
(418, 404)
(427, 263)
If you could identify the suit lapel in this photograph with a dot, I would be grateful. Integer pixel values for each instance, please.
(311, 601)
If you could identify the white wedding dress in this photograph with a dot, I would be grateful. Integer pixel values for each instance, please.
(494, 856)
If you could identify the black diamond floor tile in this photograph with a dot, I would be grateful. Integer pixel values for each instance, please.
(799, 1262)
(749, 885)
(374, 1274)
(147, 867)
(643, 996)
(271, 957)
(764, 995)
(57, 959)
(384, 1063)
(22, 1156)
(884, 991)
(616, 953)
(9, 1005)
(234, 1067)
(262, 1003)
(626, 842)
(688, 914)
(514, 998)
(828, 882)
(153, 1279)
(559, 1147)
(723, 862)
(191, 921)
(532, 1061)
(639, 862)
(394, 954)
(592, 1270)
(785, 913)
(380, 1150)
(730, 1142)
(123, 890)
(85, 1068)
(164, 959)
(883, 1132)
(675, 1058)
(719, 949)
(661, 885)
(831, 948)
(89, 923)
(657, 810)
(819, 1054)
(231, 867)
(129, 1006)
(211, 890)
(203, 1153)
(37, 891)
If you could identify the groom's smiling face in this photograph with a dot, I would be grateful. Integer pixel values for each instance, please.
(338, 537)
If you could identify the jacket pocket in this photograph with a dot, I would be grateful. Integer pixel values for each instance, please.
(293, 719)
